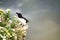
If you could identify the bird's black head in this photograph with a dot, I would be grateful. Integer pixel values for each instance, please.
(20, 16)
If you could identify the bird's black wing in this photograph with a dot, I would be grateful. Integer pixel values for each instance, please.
(20, 16)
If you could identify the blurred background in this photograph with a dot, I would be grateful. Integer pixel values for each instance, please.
(43, 16)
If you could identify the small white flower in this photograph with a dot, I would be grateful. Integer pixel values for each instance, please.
(1, 36)
(25, 27)
(4, 39)
(10, 21)
(0, 19)
(24, 32)
(13, 29)
(1, 27)
(8, 10)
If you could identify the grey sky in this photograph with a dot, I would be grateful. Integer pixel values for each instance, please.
(44, 17)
